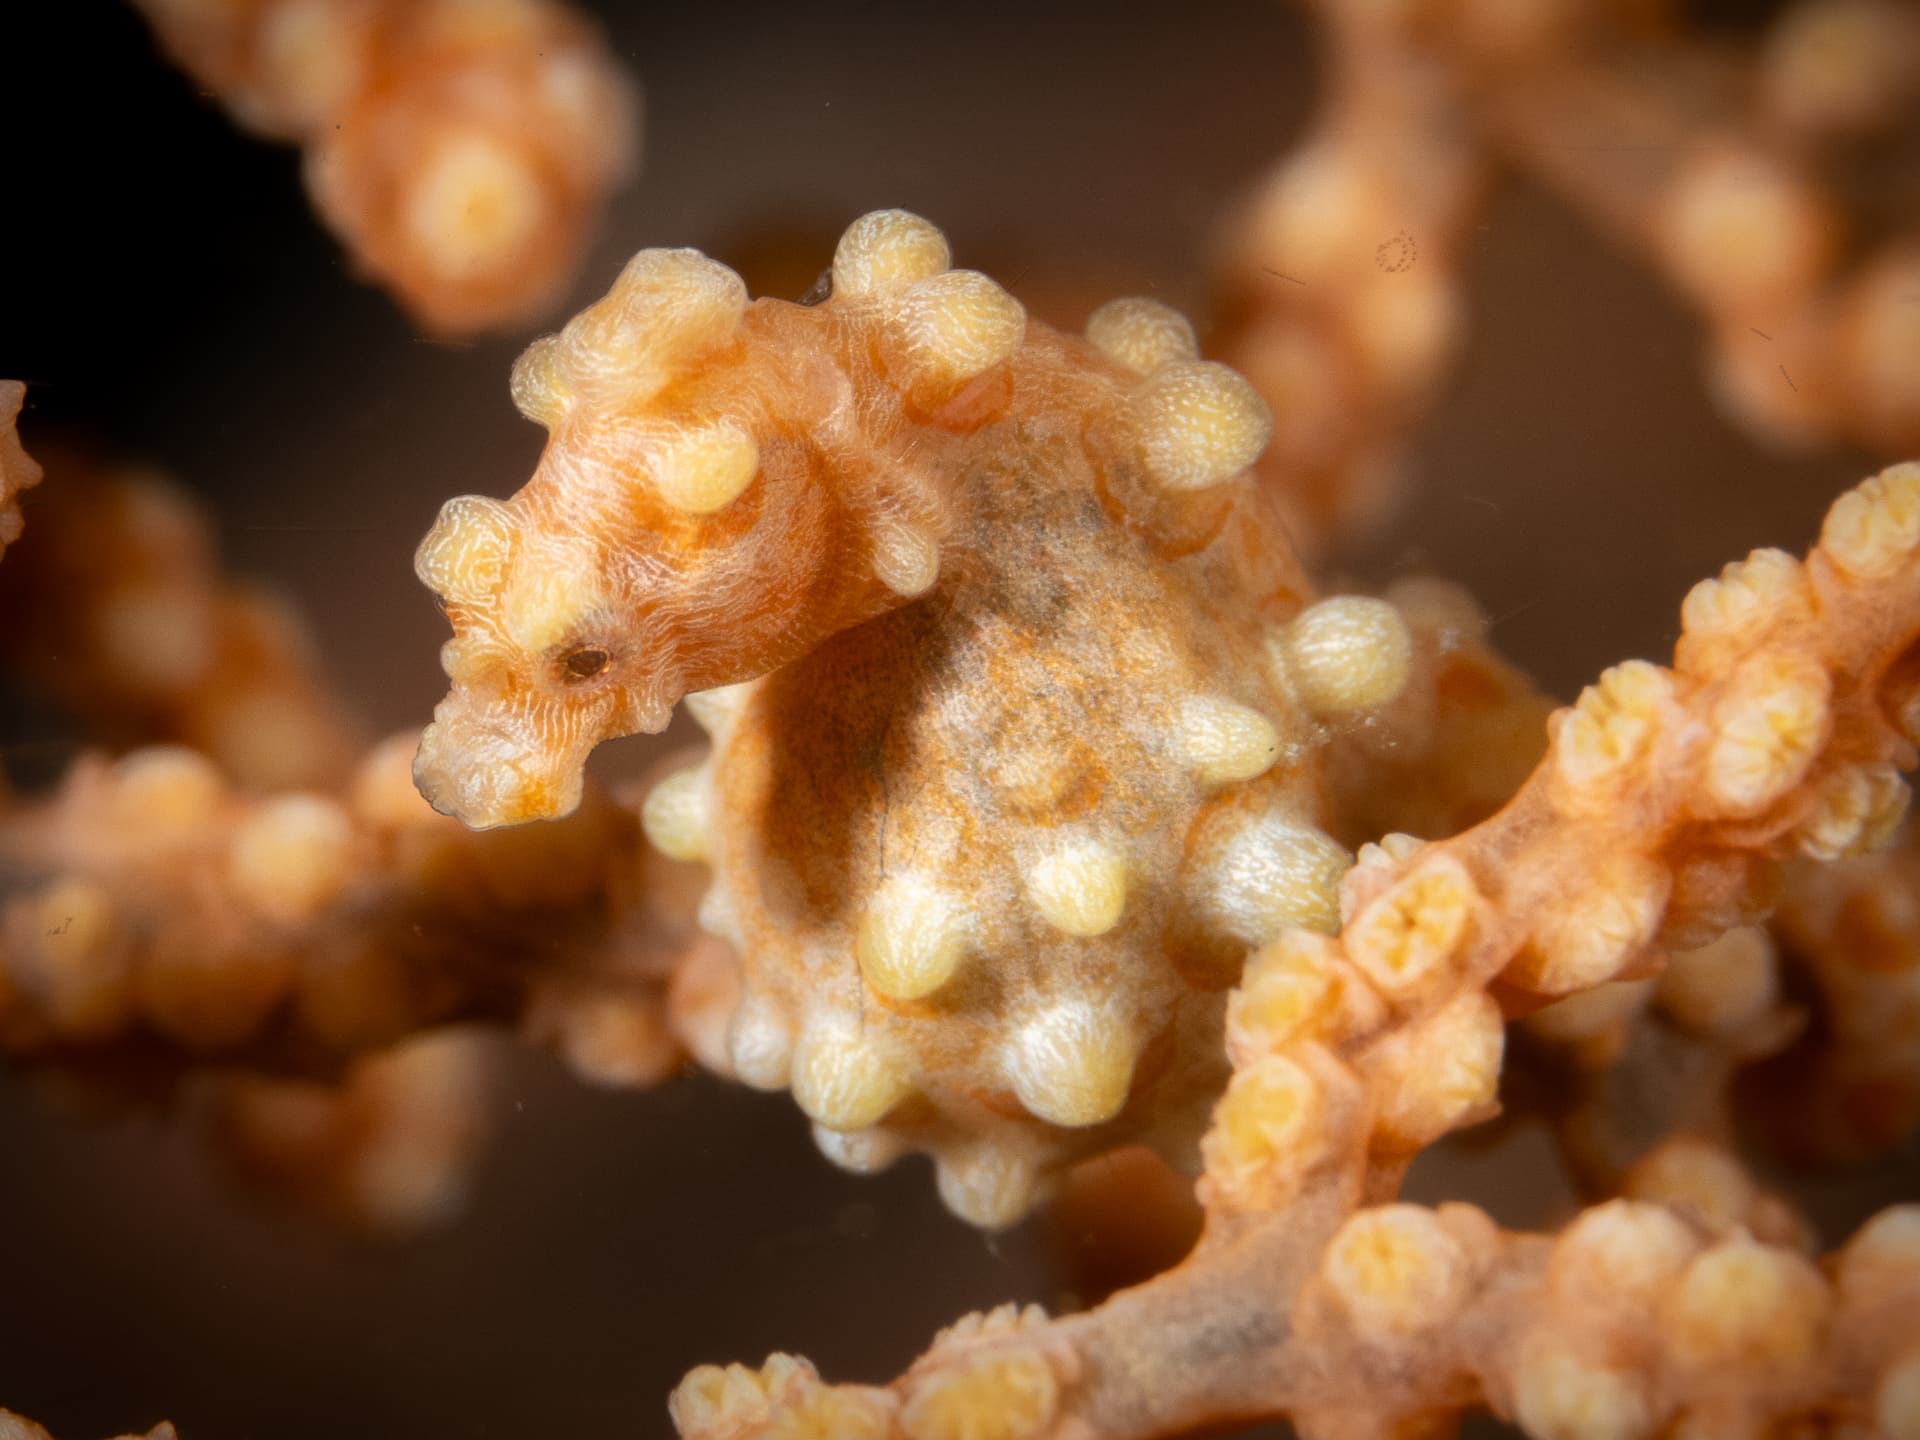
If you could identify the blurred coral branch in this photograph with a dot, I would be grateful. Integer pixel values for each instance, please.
(121, 616)
(1770, 185)
(461, 150)
(1665, 803)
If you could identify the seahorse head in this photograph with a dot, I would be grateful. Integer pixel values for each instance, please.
(723, 486)
(564, 598)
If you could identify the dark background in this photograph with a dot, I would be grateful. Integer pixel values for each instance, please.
(164, 287)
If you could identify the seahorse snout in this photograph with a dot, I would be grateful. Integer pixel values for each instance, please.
(484, 774)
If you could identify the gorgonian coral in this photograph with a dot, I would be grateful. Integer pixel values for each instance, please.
(461, 148)
(1049, 809)
(150, 642)
(1769, 186)
(994, 835)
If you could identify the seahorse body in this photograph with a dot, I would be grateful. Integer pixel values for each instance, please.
(1017, 712)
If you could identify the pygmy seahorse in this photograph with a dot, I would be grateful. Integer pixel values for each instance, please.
(1018, 702)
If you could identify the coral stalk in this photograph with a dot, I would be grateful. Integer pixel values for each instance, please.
(460, 148)
(121, 615)
(1665, 801)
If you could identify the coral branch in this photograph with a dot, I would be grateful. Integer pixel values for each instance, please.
(1668, 796)
(1771, 186)
(1341, 297)
(290, 964)
(1396, 1322)
(392, 1145)
(119, 612)
(159, 912)
(1664, 803)
(1852, 1089)
(1746, 218)
(461, 150)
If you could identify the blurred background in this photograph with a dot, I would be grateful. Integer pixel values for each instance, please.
(169, 297)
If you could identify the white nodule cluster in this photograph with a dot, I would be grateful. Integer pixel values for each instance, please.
(464, 557)
(1199, 423)
(759, 1038)
(906, 559)
(985, 1185)
(703, 468)
(1344, 654)
(543, 601)
(1225, 741)
(956, 325)
(1271, 872)
(859, 1152)
(717, 710)
(1080, 886)
(844, 1076)
(677, 817)
(667, 309)
(1072, 1063)
(1141, 334)
(913, 936)
(942, 327)
(886, 250)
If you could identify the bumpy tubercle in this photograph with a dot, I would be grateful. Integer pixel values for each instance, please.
(1020, 706)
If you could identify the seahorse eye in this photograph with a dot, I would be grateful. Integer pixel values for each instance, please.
(585, 663)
